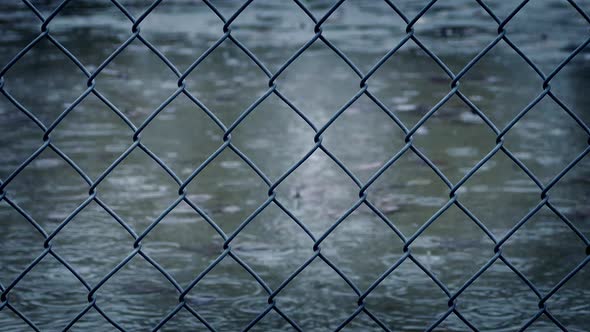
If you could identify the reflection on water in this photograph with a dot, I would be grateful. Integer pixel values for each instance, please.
(318, 192)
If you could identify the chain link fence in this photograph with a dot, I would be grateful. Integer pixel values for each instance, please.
(226, 143)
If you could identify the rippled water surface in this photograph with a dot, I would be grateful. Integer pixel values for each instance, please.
(274, 137)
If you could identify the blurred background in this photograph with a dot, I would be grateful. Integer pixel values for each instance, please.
(410, 83)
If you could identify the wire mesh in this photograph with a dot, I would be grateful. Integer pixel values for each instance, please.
(454, 79)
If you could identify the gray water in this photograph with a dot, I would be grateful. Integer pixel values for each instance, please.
(318, 192)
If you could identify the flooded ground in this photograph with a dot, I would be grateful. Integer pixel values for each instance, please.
(274, 137)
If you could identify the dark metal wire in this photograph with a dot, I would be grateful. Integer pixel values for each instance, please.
(363, 199)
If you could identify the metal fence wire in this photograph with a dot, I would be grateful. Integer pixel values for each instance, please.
(454, 79)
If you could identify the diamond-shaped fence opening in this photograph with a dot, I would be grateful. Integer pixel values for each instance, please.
(276, 165)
